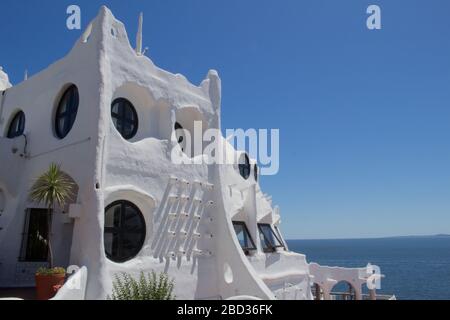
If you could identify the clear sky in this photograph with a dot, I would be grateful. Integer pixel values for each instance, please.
(364, 116)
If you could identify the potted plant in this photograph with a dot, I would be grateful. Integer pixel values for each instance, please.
(48, 282)
(53, 187)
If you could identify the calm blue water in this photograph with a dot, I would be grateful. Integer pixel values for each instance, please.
(415, 267)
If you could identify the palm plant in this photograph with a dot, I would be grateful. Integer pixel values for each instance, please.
(53, 187)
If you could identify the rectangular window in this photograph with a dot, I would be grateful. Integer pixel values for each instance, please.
(244, 238)
(278, 234)
(269, 240)
(35, 236)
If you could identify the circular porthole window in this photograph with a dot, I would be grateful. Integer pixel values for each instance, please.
(244, 166)
(124, 117)
(17, 125)
(67, 112)
(125, 231)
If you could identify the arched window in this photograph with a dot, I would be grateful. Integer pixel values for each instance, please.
(67, 112)
(255, 172)
(244, 166)
(124, 117)
(124, 231)
(17, 125)
(343, 290)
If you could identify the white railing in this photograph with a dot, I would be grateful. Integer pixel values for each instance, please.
(379, 297)
(351, 296)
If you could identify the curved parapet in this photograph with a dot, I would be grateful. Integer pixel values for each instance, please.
(285, 273)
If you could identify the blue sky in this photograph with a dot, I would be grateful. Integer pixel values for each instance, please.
(364, 116)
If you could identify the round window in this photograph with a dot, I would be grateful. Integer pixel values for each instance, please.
(124, 231)
(124, 117)
(66, 112)
(244, 166)
(17, 125)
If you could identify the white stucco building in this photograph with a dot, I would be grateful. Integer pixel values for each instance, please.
(107, 114)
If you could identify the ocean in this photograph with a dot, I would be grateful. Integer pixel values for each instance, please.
(415, 268)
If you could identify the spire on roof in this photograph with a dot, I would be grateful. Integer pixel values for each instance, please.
(139, 35)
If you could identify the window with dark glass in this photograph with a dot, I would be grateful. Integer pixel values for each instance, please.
(35, 236)
(269, 240)
(255, 172)
(124, 117)
(124, 231)
(278, 234)
(17, 125)
(67, 112)
(179, 131)
(244, 166)
(244, 238)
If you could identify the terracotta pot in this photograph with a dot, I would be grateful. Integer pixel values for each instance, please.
(46, 284)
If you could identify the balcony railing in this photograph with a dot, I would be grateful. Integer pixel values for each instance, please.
(342, 296)
(379, 297)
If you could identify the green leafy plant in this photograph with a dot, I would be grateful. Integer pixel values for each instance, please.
(50, 271)
(53, 187)
(150, 287)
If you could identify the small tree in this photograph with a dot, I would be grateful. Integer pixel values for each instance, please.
(51, 188)
(150, 287)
